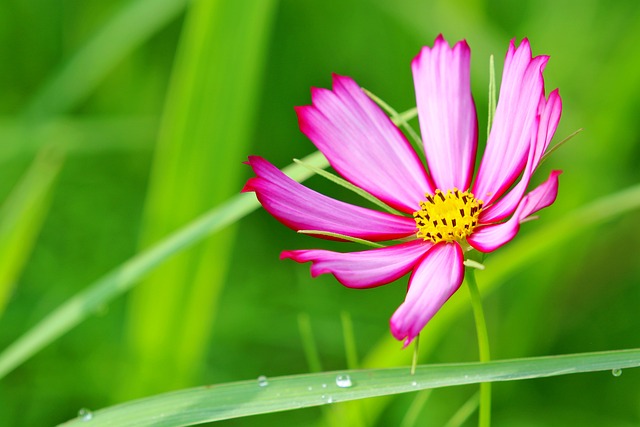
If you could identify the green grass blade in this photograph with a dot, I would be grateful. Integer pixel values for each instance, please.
(128, 29)
(551, 150)
(22, 215)
(127, 275)
(309, 343)
(349, 338)
(87, 134)
(244, 398)
(492, 95)
(413, 412)
(398, 119)
(205, 135)
(464, 412)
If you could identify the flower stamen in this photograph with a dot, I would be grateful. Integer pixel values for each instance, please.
(447, 217)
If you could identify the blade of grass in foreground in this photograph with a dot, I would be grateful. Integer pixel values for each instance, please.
(240, 399)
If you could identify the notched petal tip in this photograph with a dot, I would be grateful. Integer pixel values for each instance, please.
(398, 333)
(248, 187)
(446, 112)
(339, 79)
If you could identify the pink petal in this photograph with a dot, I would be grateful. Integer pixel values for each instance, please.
(301, 208)
(448, 122)
(491, 237)
(547, 127)
(515, 125)
(363, 269)
(433, 281)
(363, 145)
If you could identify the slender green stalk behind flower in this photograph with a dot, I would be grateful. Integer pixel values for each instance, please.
(445, 215)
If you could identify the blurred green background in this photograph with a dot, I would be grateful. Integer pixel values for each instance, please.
(122, 121)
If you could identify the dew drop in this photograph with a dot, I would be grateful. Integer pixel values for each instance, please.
(262, 381)
(330, 399)
(324, 386)
(309, 388)
(616, 372)
(343, 381)
(414, 383)
(85, 414)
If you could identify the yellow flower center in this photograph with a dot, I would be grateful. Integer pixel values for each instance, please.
(447, 217)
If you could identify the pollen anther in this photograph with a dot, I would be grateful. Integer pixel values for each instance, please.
(447, 217)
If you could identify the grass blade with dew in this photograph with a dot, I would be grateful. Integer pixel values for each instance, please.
(244, 398)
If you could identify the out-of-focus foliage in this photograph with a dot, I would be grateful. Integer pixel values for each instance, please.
(581, 297)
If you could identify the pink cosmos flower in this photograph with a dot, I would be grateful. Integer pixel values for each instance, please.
(445, 211)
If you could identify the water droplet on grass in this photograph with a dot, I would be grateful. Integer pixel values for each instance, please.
(343, 381)
(616, 372)
(414, 383)
(330, 399)
(85, 414)
(262, 381)
(324, 386)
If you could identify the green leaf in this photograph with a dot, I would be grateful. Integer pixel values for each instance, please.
(309, 343)
(412, 415)
(492, 95)
(400, 120)
(204, 136)
(558, 145)
(22, 215)
(136, 22)
(240, 399)
(464, 412)
(87, 134)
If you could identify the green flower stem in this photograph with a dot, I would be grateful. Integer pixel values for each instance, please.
(484, 419)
